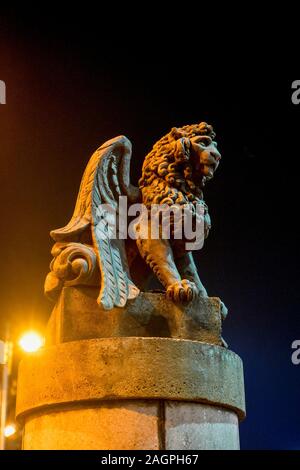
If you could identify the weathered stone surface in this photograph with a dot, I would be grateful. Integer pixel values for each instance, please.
(127, 425)
(190, 426)
(77, 316)
(133, 425)
(131, 368)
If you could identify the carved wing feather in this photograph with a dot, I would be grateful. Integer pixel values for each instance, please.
(105, 178)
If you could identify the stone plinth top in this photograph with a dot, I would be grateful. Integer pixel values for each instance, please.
(78, 316)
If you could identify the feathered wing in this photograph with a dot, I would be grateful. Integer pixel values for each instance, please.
(106, 178)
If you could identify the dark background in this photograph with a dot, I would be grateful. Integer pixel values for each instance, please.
(70, 87)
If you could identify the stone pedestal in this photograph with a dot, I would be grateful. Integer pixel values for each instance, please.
(130, 392)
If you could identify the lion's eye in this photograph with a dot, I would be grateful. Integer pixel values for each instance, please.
(203, 143)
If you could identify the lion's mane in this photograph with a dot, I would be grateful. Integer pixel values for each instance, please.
(167, 174)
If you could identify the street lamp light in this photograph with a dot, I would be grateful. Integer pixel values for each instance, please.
(9, 430)
(31, 341)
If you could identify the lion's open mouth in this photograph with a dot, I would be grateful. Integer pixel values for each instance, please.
(209, 170)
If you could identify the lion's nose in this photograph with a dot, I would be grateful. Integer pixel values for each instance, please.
(216, 155)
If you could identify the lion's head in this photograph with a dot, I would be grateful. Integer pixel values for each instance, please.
(178, 166)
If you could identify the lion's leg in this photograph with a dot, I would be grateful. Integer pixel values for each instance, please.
(158, 254)
(188, 270)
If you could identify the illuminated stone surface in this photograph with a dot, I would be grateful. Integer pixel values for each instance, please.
(191, 426)
(134, 425)
(167, 380)
(78, 316)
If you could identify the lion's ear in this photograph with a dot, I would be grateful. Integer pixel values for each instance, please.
(182, 150)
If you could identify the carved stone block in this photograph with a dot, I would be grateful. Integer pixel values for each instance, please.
(78, 316)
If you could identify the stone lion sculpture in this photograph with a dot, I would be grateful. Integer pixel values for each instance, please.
(174, 174)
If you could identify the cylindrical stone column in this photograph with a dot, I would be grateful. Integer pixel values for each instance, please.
(131, 393)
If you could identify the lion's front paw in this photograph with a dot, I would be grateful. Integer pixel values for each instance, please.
(182, 291)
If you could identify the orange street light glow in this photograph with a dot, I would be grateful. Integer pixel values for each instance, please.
(31, 342)
(9, 430)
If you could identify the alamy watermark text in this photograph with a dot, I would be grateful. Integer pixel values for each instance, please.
(2, 92)
(296, 92)
(296, 353)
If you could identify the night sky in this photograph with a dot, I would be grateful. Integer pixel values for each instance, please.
(70, 87)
